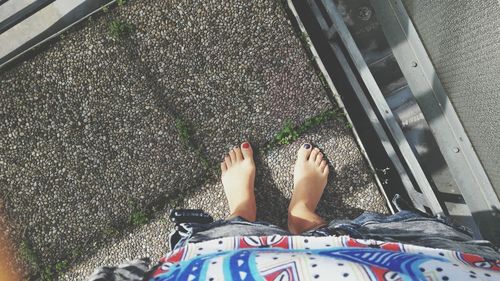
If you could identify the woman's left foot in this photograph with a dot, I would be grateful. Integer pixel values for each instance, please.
(309, 177)
(238, 177)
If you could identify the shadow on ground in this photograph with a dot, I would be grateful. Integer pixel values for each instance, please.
(88, 133)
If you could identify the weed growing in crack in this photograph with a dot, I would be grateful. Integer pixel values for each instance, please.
(305, 38)
(138, 217)
(183, 130)
(46, 274)
(290, 133)
(28, 255)
(287, 135)
(119, 29)
(43, 273)
(61, 266)
(323, 81)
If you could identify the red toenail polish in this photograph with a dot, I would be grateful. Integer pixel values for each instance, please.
(245, 145)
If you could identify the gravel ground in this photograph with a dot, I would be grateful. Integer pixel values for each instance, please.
(235, 70)
(349, 192)
(83, 144)
(87, 130)
(350, 189)
(150, 240)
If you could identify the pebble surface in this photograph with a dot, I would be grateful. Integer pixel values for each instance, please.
(87, 126)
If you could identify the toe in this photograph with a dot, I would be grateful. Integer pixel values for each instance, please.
(246, 150)
(322, 165)
(228, 162)
(223, 167)
(326, 170)
(232, 155)
(239, 155)
(304, 151)
(319, 158)
(313, 155)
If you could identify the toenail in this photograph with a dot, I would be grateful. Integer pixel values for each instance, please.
(245, 145)
(307, 146)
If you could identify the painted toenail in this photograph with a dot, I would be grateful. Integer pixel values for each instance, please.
(245, 145)
(307, 146)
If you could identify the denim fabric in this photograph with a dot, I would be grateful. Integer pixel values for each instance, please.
(404, 226)
(411, 228)
(223, 228)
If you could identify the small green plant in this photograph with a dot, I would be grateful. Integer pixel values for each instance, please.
(61, 266)
(29, 255)
(50, 272)
(121, 2)
(322, 78)
(305, 38)
(183, 130)
(204, 162)
(105, 9)
(46, 274)
(290, 133)
(319, 119)
(287, 135)
(40, 272)
(119, 29)
(138, 217)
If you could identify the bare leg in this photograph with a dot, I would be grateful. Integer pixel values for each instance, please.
(238, 177)
(310, 175)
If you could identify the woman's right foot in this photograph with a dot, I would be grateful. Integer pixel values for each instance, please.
(238, 177)
(309, 177)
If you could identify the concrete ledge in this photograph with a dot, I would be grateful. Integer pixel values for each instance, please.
(45, 24)
(11, 8)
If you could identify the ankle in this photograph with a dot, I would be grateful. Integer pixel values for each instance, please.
(300, 207)
(302, 219)
(247, 213)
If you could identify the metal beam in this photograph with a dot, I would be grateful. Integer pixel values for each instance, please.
(45, 24)
(338, 99)
(445, 125)
(416, 197)
(382, 106)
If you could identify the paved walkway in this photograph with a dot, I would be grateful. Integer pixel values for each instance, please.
(96, 132)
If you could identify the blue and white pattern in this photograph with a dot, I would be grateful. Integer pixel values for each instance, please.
(334, 263)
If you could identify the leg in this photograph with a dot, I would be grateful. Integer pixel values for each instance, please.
(309, 176)
(238, 176)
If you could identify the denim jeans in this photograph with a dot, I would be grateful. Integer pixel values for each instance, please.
(404, 226)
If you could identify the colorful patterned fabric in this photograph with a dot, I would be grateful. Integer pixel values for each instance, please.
(319, 258)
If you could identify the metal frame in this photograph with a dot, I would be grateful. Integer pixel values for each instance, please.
(427, 197)
(22, 13)
(51, 36)
(340, 103)
(416, 197)
(446, 127)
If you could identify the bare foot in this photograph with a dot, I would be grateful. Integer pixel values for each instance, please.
(309, 177)
(238, 177)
